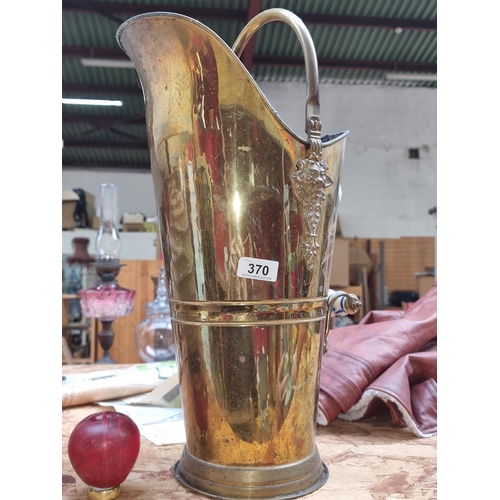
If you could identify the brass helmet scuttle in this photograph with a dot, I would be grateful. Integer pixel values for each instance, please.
(247, 212)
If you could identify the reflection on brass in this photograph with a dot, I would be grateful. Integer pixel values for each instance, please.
(251, 381)
(105, 494)
(233, 181)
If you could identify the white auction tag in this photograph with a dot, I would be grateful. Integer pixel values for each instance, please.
(257, 269)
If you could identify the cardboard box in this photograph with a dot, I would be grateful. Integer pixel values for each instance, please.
(340, 264)
(159, 251)
(425, 282)
(359, 262)
(69, 201)
(338, 229)
(133, 218)
(133, 227)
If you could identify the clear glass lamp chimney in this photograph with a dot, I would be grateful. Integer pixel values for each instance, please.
(108, 243)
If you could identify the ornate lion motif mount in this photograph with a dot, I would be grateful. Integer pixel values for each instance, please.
(312, 179)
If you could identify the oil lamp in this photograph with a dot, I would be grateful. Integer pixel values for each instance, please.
(154, 338)
(107, 300)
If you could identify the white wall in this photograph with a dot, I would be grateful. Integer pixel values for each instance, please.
(385, 194)
(135, 245)
(135, 189)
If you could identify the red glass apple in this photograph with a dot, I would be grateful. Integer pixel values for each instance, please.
(103, 449)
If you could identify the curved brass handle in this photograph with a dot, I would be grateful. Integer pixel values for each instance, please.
(340, 304)
(306, 42)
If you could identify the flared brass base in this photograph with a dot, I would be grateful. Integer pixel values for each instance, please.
(104, 494)
(264, 483)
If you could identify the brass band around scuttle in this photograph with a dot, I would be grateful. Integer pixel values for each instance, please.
(249, 313)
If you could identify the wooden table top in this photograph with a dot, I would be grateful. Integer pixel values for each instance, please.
(371, 459)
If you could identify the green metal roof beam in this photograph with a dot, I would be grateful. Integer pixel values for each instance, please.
(76, 143)
(105, 166)
(110, 10)
(106, 53)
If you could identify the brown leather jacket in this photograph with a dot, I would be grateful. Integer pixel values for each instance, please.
(387, 361)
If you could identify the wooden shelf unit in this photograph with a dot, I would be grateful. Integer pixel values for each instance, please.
(88, 324)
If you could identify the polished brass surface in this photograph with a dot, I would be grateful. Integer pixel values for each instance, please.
(234, 184)
(248, 312)
(104, 494)
(263, 482)
(249, 388)
(224, 170)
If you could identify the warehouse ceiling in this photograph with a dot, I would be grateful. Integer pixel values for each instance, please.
(361, 42)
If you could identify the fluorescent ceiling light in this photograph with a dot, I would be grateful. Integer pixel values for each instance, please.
(107, 63)
(411, 76)
(92, 102)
